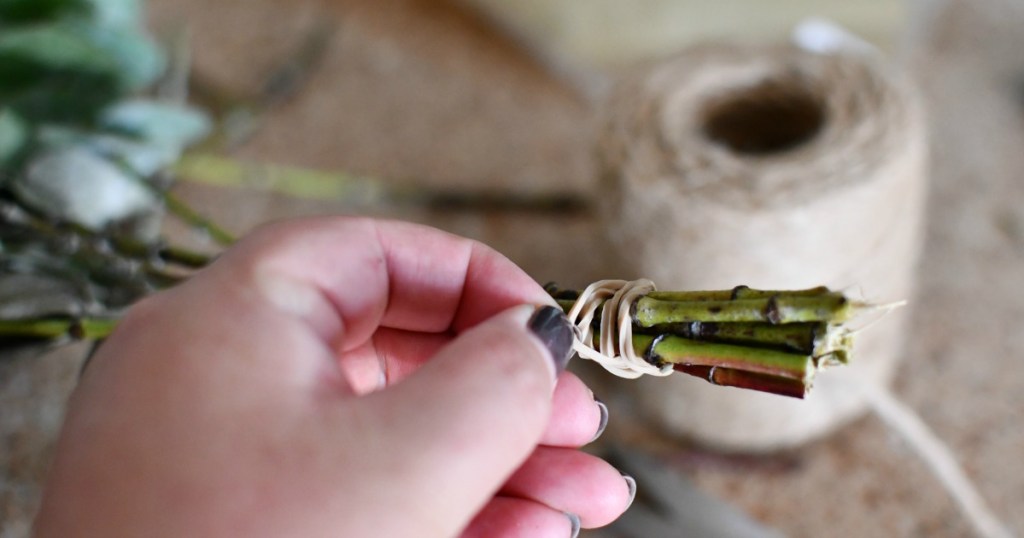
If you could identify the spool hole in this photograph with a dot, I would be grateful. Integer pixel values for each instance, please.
(771, 117)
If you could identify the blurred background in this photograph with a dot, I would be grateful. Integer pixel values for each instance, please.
(481, 117)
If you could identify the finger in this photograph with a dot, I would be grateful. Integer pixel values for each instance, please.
(576, 418)
(401, 353)
(441, 281)
(466, 419)
(571, 481)
(346, 275)
(390, 356)
(507, 517)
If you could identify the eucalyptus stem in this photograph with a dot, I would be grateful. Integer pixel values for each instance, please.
(779, 308)
(767, 340)
(193, 218)
(107, 256)
(361, 191)
(57, 328)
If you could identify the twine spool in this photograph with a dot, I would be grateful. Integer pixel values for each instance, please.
(774, 168)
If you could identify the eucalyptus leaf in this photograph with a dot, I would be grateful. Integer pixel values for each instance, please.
(55, 136)
(64, 97)
(13, 136)
(51, 72)
(161, 123)
(138, 59)
(21, 11)
(44, 61)
(123, 13)
(33, 52)
(142, 157)
(77, 185)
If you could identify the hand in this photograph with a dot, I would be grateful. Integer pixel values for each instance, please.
(335, 377)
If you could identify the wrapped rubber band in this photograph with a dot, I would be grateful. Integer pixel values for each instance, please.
(614, 351)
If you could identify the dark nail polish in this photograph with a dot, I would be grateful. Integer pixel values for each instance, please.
(574, 520)
(604, 419)
(631, 484)
(554, 330)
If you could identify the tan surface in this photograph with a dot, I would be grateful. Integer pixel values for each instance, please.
(409, 90)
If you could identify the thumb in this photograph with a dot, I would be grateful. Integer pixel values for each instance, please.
(461, 424)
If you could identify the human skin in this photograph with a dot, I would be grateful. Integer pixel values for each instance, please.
(333, 377)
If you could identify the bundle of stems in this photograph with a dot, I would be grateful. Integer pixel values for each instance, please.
(105, 272)
(765, 340)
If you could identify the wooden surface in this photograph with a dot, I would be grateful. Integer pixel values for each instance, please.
(417, 90)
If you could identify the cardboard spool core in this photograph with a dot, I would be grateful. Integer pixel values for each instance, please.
(771, 117)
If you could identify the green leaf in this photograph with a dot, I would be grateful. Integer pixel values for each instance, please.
(33, 51)
(52, 73)
(160, 123)
(142, 157)
(13, 135)
(67, 71)
(138, 59)
(22, 11)
(110, 13)
(122, 13)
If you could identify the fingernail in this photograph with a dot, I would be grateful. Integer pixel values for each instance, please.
(574, 520)
(631, 484)
(553, 329)
(604, 419)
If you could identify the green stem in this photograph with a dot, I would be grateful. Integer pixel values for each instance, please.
(165, 253)
(798, 337)
(359, 191)
(193, 218)
(111, 260)
(739, 292)
(56, 328)
(767, 340)
(794, 337)
(290, 181)
(776, 309)
(676, 350)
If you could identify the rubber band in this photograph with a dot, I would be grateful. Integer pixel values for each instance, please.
(615, 351)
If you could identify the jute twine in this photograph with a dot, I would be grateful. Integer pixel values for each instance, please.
(774, 168)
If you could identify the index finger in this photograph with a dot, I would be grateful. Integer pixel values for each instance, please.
(348, 276)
